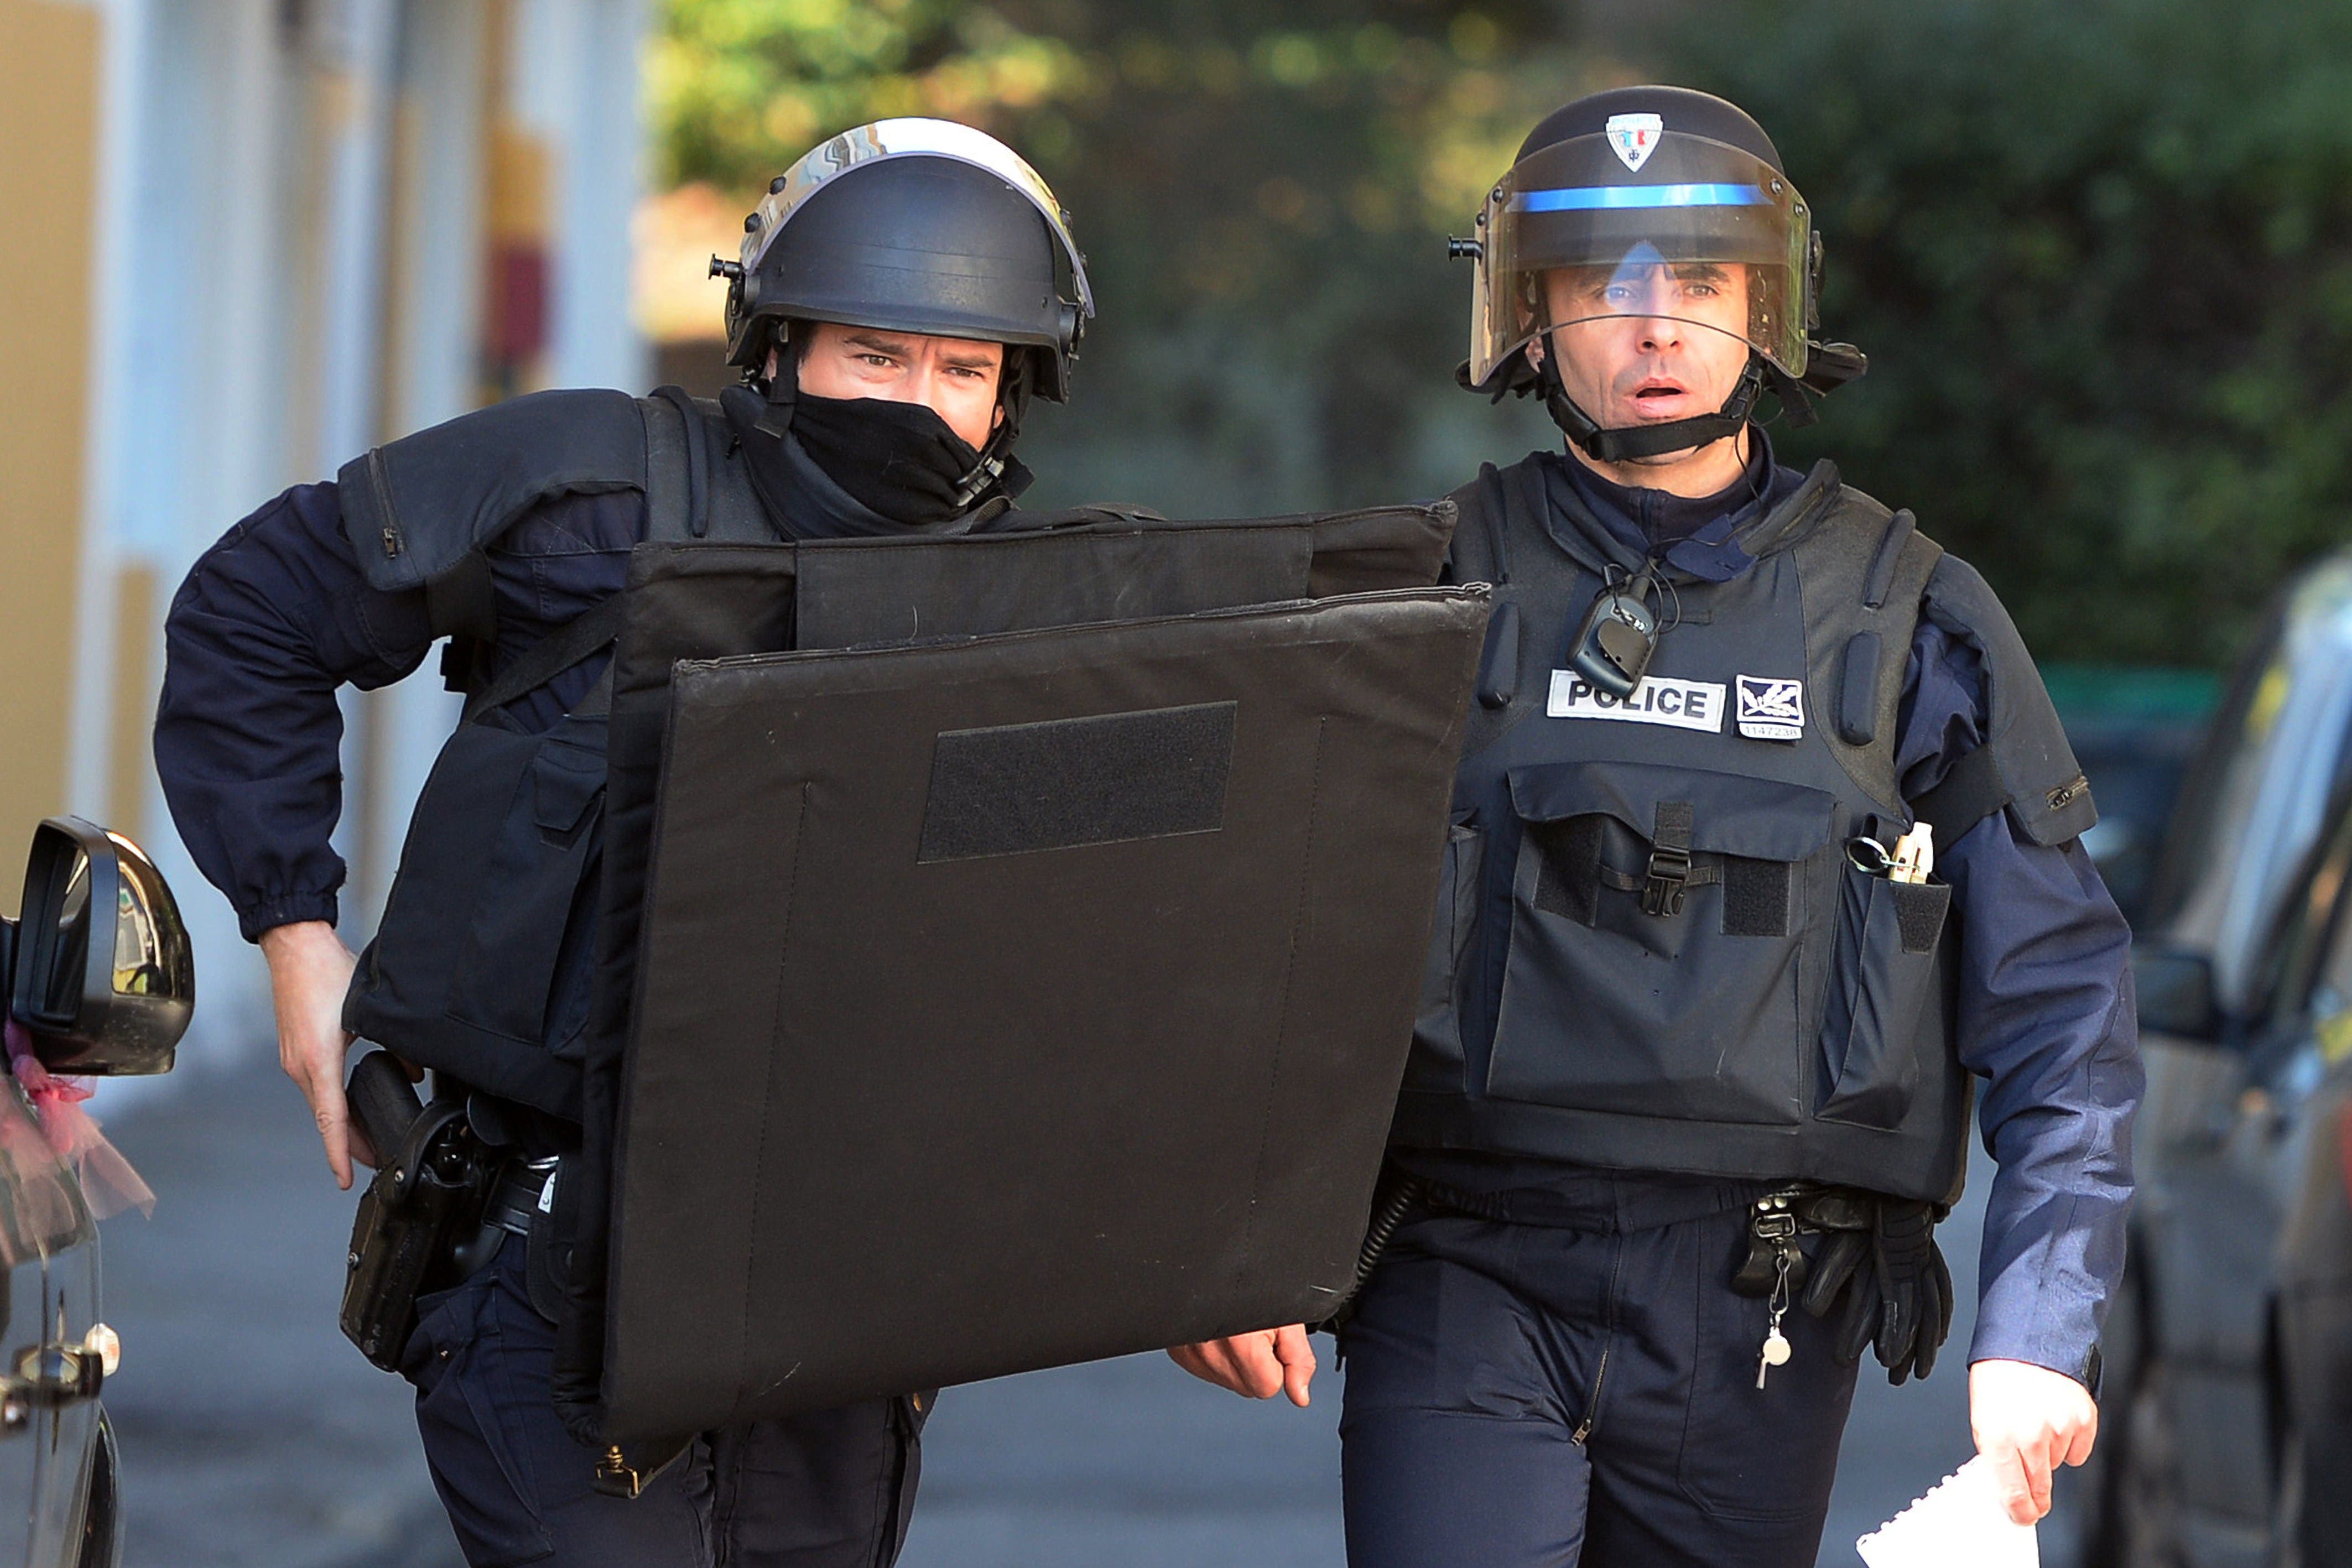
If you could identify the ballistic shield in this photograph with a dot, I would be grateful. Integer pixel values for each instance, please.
(1025, 979)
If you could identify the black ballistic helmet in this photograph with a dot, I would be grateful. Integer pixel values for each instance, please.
(916, 226)
(1630, 187)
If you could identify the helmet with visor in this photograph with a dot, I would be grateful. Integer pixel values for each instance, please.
(1639, 207)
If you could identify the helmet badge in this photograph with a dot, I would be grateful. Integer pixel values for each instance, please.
(1634, 137)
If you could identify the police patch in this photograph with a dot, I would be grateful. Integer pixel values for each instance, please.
(1634, 137)
(1771, 708)
(1686, 704)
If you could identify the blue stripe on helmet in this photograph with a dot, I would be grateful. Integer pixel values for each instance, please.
(1590, 198)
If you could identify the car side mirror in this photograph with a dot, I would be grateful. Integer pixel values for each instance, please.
(100, 972)
(2176, 993)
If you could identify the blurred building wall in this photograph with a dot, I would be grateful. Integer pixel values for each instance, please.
(249, 239)
(49, 128)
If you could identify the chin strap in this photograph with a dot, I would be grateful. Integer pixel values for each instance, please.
(1829, 366)
(1633, 442)
(997, 465)
(997, 462)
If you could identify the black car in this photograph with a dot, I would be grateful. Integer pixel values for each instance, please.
(97, 970)
(2229, 1421)
(2226, 1417)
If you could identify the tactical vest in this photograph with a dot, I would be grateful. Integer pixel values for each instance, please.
(1651, 949)
(480, 966)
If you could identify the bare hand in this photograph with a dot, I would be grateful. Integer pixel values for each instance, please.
(309, 971)
(1256, 1365)
(2027, 1421)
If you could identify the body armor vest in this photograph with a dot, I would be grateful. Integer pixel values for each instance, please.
(1651, 949)
(480, 967)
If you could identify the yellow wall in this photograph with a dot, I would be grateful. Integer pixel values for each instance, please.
(138, 618)
(48, 169)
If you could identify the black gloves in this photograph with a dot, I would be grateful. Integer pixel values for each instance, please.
(1882, 1257)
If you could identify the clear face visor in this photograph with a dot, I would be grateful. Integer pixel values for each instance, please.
(1709, 237)
(907, 138)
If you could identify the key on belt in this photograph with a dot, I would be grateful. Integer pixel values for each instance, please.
(1774, 1267)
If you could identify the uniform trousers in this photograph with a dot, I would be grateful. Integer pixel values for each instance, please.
(1527, 1396)
(832, 1489)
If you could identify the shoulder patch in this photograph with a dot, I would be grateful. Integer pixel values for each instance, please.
(1772, 708)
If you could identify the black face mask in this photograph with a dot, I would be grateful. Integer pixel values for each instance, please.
(899, 458)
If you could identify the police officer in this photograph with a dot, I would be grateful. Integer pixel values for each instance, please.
(903, 290)
(1766, 854)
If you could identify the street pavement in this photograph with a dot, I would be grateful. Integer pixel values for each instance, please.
(254, 1437)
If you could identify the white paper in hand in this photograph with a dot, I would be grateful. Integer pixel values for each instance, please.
(1960, 1523)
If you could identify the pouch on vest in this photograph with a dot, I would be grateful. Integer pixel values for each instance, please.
(1883, 973)
(490, 921)
(1654, 922)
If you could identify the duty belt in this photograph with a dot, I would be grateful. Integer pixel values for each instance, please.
(521, 1190)
(1781, 1216)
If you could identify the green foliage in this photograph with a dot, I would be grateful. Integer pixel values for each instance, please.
(2101, 255)
(742, 88)
(1263, 192)
(2100, 252)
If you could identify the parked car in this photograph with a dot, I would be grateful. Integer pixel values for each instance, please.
(2227, 1407)
(97, 971)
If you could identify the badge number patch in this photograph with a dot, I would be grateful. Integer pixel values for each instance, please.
(1771, 708)
(1684, 705)
(1634, 137)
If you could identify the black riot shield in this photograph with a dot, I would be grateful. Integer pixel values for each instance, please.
(702, 603)
(1019, 1000)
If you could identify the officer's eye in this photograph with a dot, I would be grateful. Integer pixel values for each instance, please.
(880, 362)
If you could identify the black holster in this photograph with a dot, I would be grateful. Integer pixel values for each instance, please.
(426, 1197)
